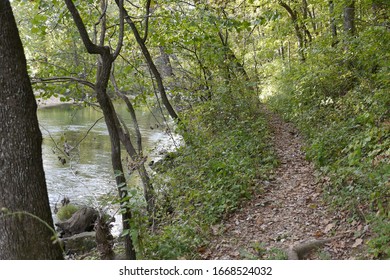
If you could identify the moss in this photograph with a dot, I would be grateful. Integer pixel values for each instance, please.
(65, 212)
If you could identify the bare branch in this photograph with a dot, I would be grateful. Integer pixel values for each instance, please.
(148, 2)
(62, 80)
(86, 134)
(121, 30)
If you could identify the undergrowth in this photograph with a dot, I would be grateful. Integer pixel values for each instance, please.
(226, 154)
(340, 100)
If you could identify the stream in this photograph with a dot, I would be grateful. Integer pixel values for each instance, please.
(86, 173)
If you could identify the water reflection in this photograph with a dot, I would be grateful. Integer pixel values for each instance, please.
(87, 173)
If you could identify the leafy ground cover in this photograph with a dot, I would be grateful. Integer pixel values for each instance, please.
(290, 213)
(342, 107)
(227, 155)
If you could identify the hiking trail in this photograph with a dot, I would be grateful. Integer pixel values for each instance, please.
(288, 214)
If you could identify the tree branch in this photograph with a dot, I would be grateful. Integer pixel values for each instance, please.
(121, 30)
(151, 65)
(62, 80)
(131, 111)
(148, 2)
(91, 47)
(292, 14)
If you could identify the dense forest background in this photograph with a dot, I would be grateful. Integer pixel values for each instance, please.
(211, 66)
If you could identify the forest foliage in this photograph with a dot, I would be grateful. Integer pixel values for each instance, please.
(323, 65)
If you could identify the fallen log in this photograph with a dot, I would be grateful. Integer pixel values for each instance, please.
(82, 220)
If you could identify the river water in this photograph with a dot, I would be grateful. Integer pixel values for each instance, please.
(86, 174)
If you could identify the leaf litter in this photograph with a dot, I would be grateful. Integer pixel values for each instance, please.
(288, 211)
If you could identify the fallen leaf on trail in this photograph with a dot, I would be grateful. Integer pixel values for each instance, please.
(339, 245)
(313, 206)
(235, 254)
(202, 249)
(259, 221)
(215, 229)
(357, 242)
(328, 227)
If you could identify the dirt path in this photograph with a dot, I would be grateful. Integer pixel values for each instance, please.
(290, 211)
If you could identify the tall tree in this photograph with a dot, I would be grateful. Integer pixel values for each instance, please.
(25, 221)
(106, 59)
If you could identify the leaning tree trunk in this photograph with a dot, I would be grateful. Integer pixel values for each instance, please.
(112, 122)
(26, 225)
(113, 130)
(152, 66)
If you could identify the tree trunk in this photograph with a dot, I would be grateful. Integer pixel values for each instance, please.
(306, 13)
(26, 235)
(298, 32)
(333, 28)
(166, 66)
(136, 156)
(349, 18)
(110, 117)
(113, 131)
(152, 67)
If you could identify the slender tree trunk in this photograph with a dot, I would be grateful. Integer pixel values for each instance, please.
(282, 51)
(298, 32)
(152, 66)
(22, 178)
(313, 16)
(306, 13)
(116, 159)
(333, 28)
(137, 156)
(230, 57)
(109, 113)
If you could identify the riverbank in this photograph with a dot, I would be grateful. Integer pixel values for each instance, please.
(85, 175)
(52, 101)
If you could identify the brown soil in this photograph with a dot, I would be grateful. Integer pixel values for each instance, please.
(288, 211)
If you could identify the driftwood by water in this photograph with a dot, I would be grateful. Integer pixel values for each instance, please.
(82, 220)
